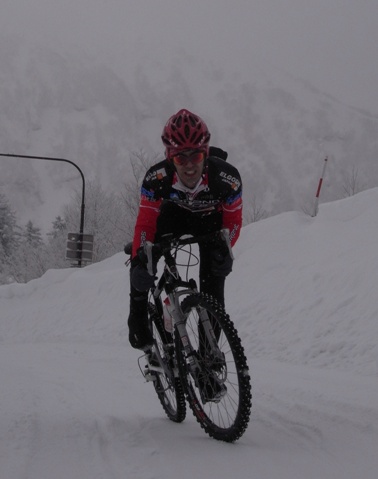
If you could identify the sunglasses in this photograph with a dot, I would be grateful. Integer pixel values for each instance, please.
(195, 157)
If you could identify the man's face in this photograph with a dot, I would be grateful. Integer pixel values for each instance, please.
(189, 166)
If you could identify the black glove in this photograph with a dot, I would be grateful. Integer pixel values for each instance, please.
(150, 259)
(128, 249)
(140, 277)
(221, 262)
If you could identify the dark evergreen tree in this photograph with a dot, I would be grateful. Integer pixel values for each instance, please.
(32, 235)
(59, 227)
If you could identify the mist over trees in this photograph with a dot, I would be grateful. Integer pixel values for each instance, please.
(25, 254)
(109, 216)
(276, 130)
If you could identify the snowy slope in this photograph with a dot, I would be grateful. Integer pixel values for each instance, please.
(303, 296)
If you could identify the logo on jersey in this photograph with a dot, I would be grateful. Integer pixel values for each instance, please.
(192, 204)
(156, 175)
(160, 174)
(231, 180)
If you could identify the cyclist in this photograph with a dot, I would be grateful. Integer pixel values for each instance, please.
(192, 191)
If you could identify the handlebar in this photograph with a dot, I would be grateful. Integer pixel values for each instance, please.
(169, 241)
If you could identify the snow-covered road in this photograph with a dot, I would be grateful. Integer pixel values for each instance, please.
(73, 404)
(78, 411)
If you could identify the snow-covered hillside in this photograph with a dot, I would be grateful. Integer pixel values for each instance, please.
(303, 297)
(281, 85)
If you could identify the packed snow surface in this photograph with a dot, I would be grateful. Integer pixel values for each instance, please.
(303, 295)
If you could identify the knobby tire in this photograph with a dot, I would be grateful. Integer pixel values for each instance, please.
(227, 419)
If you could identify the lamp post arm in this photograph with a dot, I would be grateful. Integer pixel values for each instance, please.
(65, 161)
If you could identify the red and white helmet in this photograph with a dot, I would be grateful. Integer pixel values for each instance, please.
(184, 131)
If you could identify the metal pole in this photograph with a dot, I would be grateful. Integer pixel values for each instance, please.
(82, 209)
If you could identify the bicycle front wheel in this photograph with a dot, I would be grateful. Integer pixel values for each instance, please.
(219, 393)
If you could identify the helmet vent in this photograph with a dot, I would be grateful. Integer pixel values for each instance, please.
(192, 121)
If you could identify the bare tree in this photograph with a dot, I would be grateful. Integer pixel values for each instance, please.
(352, 184)
(105, 218)
(252, 211)
(140, 163)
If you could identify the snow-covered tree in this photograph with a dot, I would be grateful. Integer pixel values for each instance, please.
(105, 219)
(28, 260)
(8, 227)
(56, 244)
(32, 235)
(9, 239)
(59, 226)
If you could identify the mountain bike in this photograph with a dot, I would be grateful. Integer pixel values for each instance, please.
(197, 355)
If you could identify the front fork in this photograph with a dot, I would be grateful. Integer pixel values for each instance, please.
(194, 357)
(179, 323)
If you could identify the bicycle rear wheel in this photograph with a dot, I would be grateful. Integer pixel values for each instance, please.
(220, 393)
(166, 381)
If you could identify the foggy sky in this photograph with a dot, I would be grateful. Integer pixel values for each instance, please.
(330, 43)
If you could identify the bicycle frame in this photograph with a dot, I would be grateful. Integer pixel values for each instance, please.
(170, 282)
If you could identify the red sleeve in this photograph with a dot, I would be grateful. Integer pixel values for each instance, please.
(145, 227)
(232, 218)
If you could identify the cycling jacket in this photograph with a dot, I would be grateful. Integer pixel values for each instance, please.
(220, 190)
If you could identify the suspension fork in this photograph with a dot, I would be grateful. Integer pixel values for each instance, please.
(180, 324)
(207, 328)
(208, 337)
